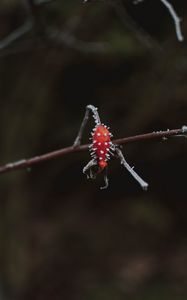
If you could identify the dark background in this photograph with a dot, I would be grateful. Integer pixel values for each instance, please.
(61, 236)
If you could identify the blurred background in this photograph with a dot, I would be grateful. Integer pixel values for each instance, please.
(61, 236)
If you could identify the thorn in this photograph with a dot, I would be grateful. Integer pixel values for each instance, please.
(111, 153)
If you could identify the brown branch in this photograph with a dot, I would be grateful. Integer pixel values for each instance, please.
(27, 163)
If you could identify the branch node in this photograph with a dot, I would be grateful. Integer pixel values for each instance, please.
(184, 129)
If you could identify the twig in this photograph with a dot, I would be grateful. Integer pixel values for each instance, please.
(175, 18)
(69, 40)
(130, 169)
(55, 36)
(16, 34)
(27, 163)
(139, 33)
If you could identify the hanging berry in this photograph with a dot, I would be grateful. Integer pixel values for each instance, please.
(101, 145)
(101, 149)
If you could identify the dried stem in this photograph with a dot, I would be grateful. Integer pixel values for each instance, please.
(27, 163)
(175, 18)
(130, 169)
(16, 34)
(36, 22)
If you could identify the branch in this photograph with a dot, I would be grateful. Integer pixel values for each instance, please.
(69, 40)
(16, 34)
(33, 21)
(36, 22)
(27, 163)
(174, 16)
(139, 33)
(176, 19)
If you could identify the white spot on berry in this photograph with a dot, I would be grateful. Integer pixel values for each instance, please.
(102, 152)
(98, 134)
(100, 158)
(99, 144)
(106, 144)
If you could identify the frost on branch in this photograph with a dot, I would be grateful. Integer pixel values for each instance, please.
(102, 148)
(174, 16)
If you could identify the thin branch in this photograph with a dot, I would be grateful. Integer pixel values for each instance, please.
(36, 21)
(175, 18)
(139, 33)
(96, 117)
(69, 40)
(67, 37)
(16, 34)
(27, 163)
(130, 169)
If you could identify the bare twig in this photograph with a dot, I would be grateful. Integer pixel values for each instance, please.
(16, 34)
(69, 40)
(84, 122)
(67, 37)
(36, 21)
(130, 169)
(139, 33)
(27, 163)
(176, 19)
(174, 16)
